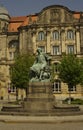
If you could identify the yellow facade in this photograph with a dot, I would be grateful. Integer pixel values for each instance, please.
(56, 29)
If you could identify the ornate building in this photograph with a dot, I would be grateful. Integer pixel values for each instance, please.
(55, 29)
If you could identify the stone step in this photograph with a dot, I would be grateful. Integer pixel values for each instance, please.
(24, 113)
(12, 108)
(66, 108)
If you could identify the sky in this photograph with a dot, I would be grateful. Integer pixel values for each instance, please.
(27, 7)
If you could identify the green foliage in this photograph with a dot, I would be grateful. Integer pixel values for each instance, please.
(81, 71)
(77, 101)
(20, 70)
(74, 101)
(70, 70)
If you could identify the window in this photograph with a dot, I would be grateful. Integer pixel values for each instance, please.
(72, 89)
(42, 47)
(13, 44)
(55, 67)
(70, 35)
(5, 27)
(41, 36)
(57, 86)
(12, 55)
(55, 35)
(56, 50)
(11, 88)
(70, 49)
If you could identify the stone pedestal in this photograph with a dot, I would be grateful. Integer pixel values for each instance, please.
(40, 98)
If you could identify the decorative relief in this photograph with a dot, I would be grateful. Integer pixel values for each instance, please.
(42, 18)
(68, 17)
(55, 15)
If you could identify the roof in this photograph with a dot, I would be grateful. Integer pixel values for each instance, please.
(77, 15)
(17, 19)
(15, 22)
(29, 19)
(20, 21)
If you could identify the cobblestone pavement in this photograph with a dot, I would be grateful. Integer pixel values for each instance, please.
(41, 126)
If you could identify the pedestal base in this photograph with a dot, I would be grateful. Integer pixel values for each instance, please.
(40, 97)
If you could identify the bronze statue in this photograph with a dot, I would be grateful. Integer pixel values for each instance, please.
(40, 70)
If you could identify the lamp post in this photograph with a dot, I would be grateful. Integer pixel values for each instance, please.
(9, 91)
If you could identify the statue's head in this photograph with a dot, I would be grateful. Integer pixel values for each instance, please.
(39, 50)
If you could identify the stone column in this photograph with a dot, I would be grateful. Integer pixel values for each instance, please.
(3, 47)
(24, 41)
(21, 42)
(63, 48)
(48, 42)
(34, 41)
(78, 41)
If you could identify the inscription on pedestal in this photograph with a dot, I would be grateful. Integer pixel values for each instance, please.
(38, 89)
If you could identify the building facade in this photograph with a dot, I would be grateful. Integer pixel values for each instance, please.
(55, 29)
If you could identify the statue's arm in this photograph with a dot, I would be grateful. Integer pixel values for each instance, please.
(36, 61)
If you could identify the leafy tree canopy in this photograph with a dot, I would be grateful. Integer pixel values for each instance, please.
(20, 70)
(70, 70)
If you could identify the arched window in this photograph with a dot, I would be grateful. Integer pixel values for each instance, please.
(70, 35)
(57, 86)
(13, 44)
(55, 35)
(41, 36)
(13, 49)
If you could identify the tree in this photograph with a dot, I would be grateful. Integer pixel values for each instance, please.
(70, 71)
(20, 71)
(82, 72)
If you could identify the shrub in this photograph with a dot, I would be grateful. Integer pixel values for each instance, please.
(77, 101)
(74, 101)
(67, 99)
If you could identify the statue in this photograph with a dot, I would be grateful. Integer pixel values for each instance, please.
(40, 70)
